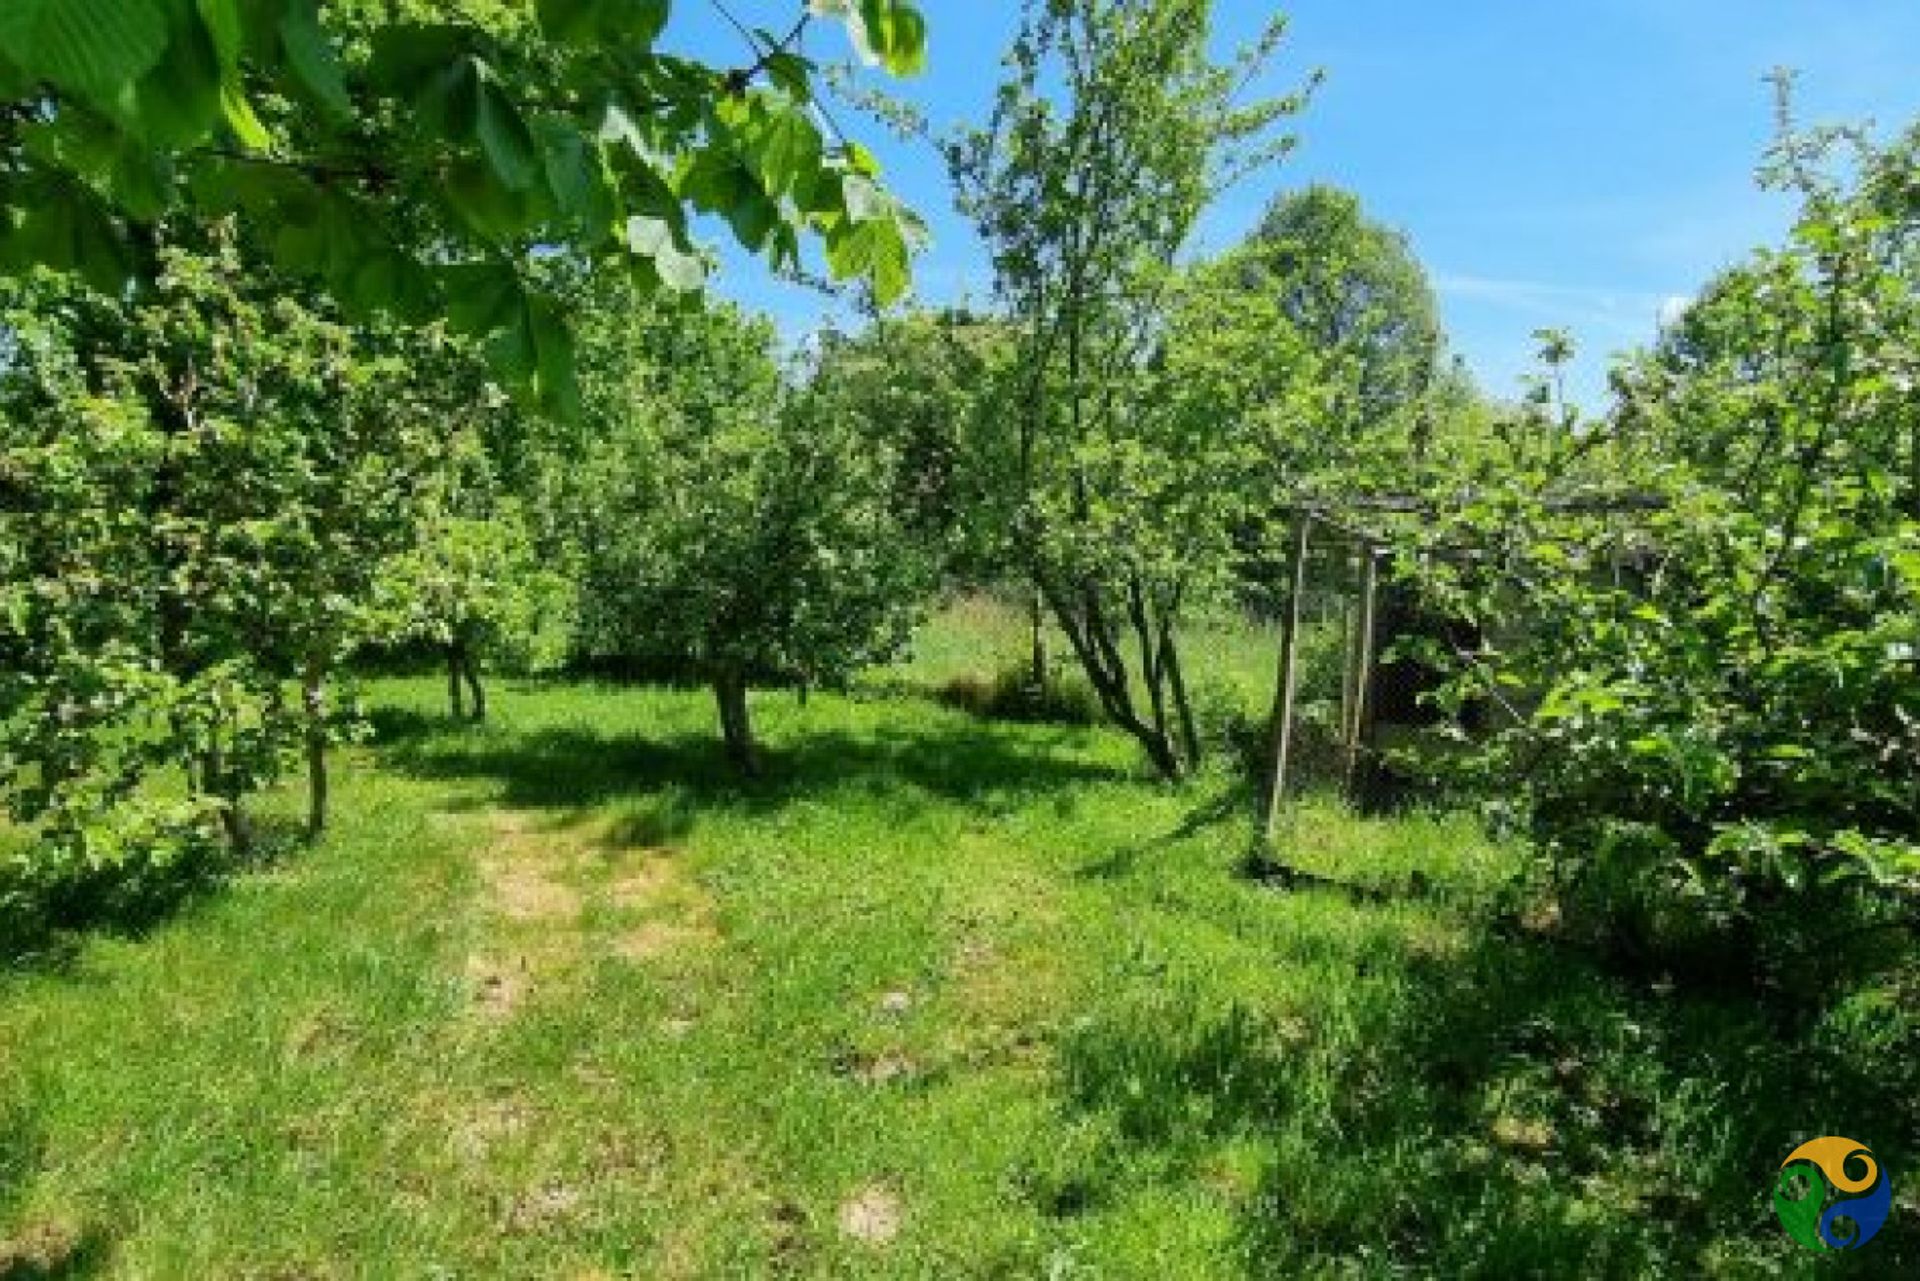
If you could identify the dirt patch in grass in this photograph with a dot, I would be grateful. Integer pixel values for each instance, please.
(676, 911)
(881, 1069)
(525, 870)
(873, 1215)
(548, 1208)
(499, 987)
(48, 1250)
(525, 893)
(491, 1124)
(543, 882)
(652, 939)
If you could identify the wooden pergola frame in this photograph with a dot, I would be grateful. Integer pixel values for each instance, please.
(1361, 662)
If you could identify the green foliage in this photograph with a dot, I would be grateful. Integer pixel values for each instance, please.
(478, 584)
(1112, 133)
(411, 158)
(202, 485)
(1353, 288)
(735, 533)
(1726, 699)
(931, 386)
(471, 580)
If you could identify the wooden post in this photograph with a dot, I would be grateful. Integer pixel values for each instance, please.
(1349, 635)
(1289, 680)
(1363, 675)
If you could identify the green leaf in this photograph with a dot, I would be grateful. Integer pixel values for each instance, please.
(793, 74)
(753, 217)
(14, 83)
(481, 296)
(876, 249)
(322, 234)
(784, 150)
(94, 48)
(897, 33)
(222, 21)
(588, 23)
(503, 133)
(556, 387)
(714, 182)
(637, 22)
(389, 281)
(127, 172)
(570, 21)
(177, 103)
(656, 240)
(492, 209)
(240, 118)
(311, 58)
(576, 172)
(407, 56)
(66, 227)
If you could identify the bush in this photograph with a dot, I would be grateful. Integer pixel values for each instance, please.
(1011, 695)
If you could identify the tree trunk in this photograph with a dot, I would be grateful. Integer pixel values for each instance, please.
(1105, 666)
(455, 702)
(472, 673)
(1359, 728)
(1183, 705)
(1166, 761)
(1037, 621)
(730, 693)
(233, 818)
(313, 692)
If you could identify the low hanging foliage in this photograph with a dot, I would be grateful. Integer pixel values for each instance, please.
(1713, 708)
(409, 157)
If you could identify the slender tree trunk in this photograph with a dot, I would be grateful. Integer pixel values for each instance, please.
(736, 728)
(1183, 705)
(233, 817)
(471, 671)
(313, 693)
(1106, 667)
(1037, 622)
(455, 700)
(1359, 734)
(1152, 670)
(1160, 750)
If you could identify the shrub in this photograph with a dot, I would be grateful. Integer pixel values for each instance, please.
(1011, 695)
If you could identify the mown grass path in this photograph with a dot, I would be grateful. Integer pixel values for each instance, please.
(937, 998)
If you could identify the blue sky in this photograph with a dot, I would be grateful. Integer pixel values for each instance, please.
(1576, 164)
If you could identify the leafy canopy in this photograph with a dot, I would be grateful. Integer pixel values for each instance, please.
(414, 157)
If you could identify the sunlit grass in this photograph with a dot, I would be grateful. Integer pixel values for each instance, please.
(939, 997)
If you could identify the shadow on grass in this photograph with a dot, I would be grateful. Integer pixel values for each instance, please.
(1506, 1112)
(686, 775)
(42, 923)
(1232, 805)
(40, 1251)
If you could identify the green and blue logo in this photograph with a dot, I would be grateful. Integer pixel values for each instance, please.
(1832, 1194)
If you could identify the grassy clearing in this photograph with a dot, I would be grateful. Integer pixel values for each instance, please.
(939, 998)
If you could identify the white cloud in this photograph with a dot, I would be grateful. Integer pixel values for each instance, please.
(1623, 313)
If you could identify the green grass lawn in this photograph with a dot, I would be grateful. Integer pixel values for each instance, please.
(936, 998)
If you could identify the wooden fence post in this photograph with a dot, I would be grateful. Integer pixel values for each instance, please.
(1289, 680)
(1363, 681)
